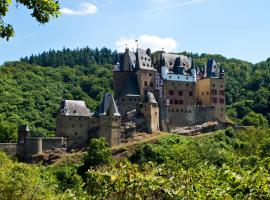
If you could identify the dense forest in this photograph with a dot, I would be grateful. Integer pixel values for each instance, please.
(222, 165)
(32, 89)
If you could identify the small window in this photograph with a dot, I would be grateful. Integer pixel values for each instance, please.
(72, 126)
(221, 86)
(186, 78)
(207, 93)
(202, 93)
(187, 84)
(76, 133)
(180, 93)
(190, 93)
(150, 74)
(171, 92)
(151, 84)
(213, 85)
(181, 102)
(145, 83)
(221, 101)
(214, 100)
(123, 99)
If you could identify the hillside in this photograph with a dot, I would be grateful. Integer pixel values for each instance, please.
(32, 89)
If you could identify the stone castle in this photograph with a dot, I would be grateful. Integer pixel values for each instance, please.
(153, 92)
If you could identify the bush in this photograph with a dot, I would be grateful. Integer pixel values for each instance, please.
(229, 132)
(254, 119)
(98, 154)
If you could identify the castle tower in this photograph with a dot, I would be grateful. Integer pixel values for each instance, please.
(211, 90)
(23, 133)
(109, 120)
(150, 111)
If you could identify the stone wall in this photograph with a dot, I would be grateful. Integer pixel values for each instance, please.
(119, 80)
(52, 143)
(8, 148)
(204, 114)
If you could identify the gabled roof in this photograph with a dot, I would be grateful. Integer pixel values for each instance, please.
(132, 59)
(149, 98)
(74, 108)
(144, 60)
(108, 106)
(131, 87)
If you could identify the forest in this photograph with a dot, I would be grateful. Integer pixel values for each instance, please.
(32, 88)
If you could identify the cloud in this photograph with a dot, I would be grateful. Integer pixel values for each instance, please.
(147, 41)
(84, 9)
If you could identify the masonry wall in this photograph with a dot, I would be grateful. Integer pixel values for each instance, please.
(211, 92)
(180, 98)
(110, 129)
(204, 114)
(119, 80)
(8, 148)
(52, 143)
(146, 80)
(128, 103)
(75, 129)
(151, 114)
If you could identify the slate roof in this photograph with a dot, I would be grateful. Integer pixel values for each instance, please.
(24, 128)
(131, 87)
(132, 59)
(211, 68)
(173, 61)
(149, 98)
(74, 108)
(108, 106)
(144, 60)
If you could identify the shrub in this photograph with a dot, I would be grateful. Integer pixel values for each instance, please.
(254, 119)
(229, 132)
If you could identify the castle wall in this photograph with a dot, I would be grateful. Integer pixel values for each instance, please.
(178, 102)
(52, 143)
(110, 129)
(151, 114)
(211, 92)
(128, 103)
(119, 80)
(8, 148)
(204, 114)
(146, 80)
(74, 128)
(33, 146)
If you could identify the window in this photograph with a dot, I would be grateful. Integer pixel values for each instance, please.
(186, 78)
(151, 84)
(187, 84)
(202, 93)
(145, 83)
(171, 92)
(180, 93)
(175, 101)
(177, 110)
(190, 93)
(123, 99)
(221, 101)
(213, 85)
(181, 110)
(171, 101)
(221, 86)
(72, 126)
(172, 83)
(221, 92)
(214, 100)
(150, 74)
(207, 93)
(181, 102)
(214, 92)
(76, 133)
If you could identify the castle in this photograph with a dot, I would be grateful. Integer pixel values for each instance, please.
(153, 92)
(158, 91)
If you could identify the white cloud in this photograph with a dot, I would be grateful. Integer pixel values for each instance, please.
(84, 9)
(147, 41)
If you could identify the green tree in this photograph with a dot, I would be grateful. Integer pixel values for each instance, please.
(254, 119)
(98, 154)
(8, 132)
(42, 11)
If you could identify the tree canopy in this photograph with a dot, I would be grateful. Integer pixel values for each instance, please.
(42, 11)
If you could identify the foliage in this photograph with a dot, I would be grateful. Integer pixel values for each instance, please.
(42, 11)
(98, 154)
(8, 132)
(254, 119)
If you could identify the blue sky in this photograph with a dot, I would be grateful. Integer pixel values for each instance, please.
(233, 28)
